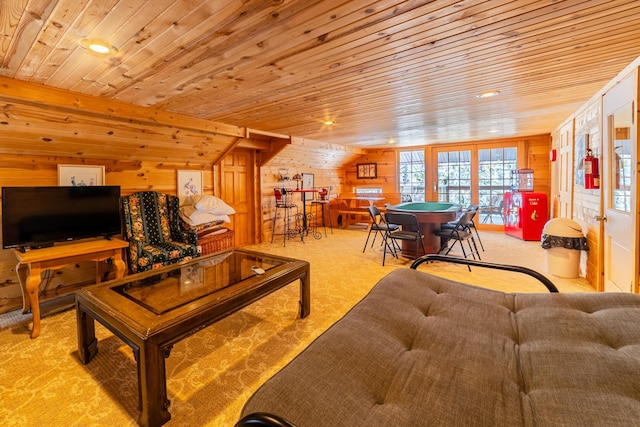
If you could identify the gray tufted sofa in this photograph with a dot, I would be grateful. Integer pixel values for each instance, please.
(420, 350)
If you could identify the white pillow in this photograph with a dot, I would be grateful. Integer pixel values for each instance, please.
(193, 217)
(210, 204)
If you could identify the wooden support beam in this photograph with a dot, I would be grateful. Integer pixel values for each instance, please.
(62, 100)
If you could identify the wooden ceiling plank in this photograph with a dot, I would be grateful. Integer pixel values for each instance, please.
(272, 40)
(305, 51)
(68, 50)
(544, 69)
(373, 82)
(23, 25)
(341, 71)
(201, 37)
(118, 32)
(146, 47)
(311, 54)
(49, 50)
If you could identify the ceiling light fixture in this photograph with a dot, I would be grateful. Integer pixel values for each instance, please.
(489, 94)
(98, 46)
(328, 122)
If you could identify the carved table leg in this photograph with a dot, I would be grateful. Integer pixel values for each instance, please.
(152, 385)
(87, 342)
(32, 285)
(23, 273)
(120, 266)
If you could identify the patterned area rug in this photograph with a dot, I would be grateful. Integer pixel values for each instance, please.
(211, 374)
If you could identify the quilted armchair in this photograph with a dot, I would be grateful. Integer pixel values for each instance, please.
(152, 228)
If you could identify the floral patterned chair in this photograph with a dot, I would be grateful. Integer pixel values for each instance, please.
(152, 228)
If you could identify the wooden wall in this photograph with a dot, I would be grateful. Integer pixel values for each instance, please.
(586, 203)
(534, 154)
(131, 176)
(583, 205)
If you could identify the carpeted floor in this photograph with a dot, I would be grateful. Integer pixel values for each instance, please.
(212, 373)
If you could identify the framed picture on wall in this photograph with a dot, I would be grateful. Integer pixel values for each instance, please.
(367, 170)
(80, 175)
(190, 183)
(307, 184)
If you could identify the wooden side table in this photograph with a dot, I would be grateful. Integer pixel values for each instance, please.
(32, 263)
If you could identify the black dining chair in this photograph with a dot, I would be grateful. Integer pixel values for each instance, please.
(381, 227)
(409, 231)
(470, 226)
(458, 233)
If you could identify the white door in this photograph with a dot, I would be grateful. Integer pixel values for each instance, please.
(565, 174)
(619, 185)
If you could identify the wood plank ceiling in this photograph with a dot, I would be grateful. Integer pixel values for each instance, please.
(407, 70)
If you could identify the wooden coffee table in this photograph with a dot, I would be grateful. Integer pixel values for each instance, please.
(154, 310)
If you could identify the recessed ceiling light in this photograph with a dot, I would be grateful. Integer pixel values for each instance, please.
(488, 94)
(391, 141)
(328, 122)
(98, 46)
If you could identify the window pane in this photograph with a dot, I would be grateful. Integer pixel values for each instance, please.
(454, 177)
(621, 168)
(412, 175)
(494, 179)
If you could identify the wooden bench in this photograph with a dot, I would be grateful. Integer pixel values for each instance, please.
(347, 217)
(348, 210)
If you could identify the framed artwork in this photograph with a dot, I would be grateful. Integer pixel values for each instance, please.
(307, 184)
(190, 183)
(80, 175)
(367, 170)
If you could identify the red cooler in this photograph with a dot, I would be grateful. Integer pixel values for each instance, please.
(525, 214)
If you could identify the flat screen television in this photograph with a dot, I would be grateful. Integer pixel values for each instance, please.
(35, 217)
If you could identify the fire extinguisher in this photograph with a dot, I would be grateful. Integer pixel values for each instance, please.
(591, 171)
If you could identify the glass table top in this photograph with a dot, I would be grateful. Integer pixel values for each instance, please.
(185, 284)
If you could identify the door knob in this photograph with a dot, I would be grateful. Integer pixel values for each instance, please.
(602, 218)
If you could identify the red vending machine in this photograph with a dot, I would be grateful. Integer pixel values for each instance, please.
(525, 214)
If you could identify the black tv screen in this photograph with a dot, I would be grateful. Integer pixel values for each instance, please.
(35, 217)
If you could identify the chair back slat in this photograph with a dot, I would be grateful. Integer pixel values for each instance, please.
(402, 219)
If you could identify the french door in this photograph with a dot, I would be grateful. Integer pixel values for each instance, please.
(476, 174)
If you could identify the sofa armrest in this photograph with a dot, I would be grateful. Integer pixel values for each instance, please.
(507, 267)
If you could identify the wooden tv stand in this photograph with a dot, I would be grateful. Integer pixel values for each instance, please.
(32, 263)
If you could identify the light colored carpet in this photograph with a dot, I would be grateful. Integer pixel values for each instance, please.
(211, 374)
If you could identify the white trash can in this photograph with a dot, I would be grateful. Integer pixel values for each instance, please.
(563, 239)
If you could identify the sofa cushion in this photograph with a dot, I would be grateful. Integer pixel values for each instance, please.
(423, 350)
